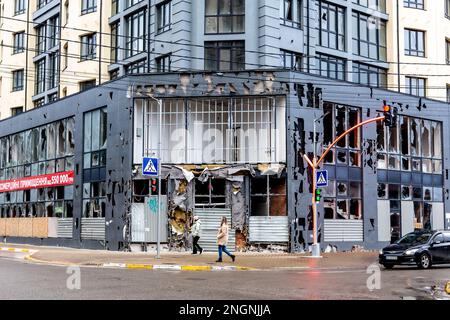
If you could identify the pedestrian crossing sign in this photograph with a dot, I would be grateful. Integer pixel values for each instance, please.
(322, 178)
(150, 167)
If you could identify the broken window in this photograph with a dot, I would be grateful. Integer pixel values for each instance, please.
(425, 138)
(268, 196)
(381, 129)
(415, 141)
(60, 138)
(404, 135)
(406, 193)
(354, 136)
(382, 191)
(436, 135)
(393, 139)
(394, 191)
(51, 138)
(210, 193)
(427, 193)
(43, 144)
(340, 125)
(328, 124)
(94, 199)
(345, 202)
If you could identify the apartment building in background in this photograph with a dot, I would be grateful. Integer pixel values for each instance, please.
(419, 37)
(50, 49)
(95, 41)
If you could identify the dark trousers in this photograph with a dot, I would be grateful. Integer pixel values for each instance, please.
(196, 246)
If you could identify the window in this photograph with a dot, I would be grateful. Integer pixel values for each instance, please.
(163, 63)
(114, 74)
(414, 43)
(19, 42)
(164, 16)
(114, 7)
(416, 86)
(210, 193)
(42, 150)
(224, 16)
(268, 196)
(19, 7)
(291, 13)
(331, 26)
(53, 31)
(16, 111)
(135, 29)
(85, 85)
(413, 145)
(415, 4)
(114, 42)
(343, 200)
(225, 55)
(53, 70)
(129, 3)
(65, 55)
(41, 36)
(338, 119)
(447, 9)
(18, 80)
(40, 76)
(447, 46)
(291, 60)
(94, 163)
(88, 6)
(88, 47)
(330, 67)
(368, 75)
(136, 67)
(42, 3)
(369, 38)
(379, 5)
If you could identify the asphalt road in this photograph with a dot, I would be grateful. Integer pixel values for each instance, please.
(24, 280)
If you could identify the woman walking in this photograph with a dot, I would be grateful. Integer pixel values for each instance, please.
(222, 240)
(196, 235)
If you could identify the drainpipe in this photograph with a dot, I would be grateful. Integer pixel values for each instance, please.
(307, 39)
(26, 57)
(100, 46)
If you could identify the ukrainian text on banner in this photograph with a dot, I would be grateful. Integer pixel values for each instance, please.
(36, 182)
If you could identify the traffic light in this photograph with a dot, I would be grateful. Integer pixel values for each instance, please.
(318, 195)
(154, 186)
(388, 116)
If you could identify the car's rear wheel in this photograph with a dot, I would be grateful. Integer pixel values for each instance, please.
(388, 265)
(424, 261)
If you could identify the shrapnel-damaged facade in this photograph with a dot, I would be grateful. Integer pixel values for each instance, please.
(232, 144)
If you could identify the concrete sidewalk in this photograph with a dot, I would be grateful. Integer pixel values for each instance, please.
(187, 261)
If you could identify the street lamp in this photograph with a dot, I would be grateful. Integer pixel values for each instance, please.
(315, 248)
(158, 219)
(314, 164)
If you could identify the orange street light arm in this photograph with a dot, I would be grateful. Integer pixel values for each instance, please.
(344, 134)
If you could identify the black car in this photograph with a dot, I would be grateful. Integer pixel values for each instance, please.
(423, 248)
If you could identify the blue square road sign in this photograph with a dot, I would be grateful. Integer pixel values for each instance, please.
(321, 178)
(150, 167)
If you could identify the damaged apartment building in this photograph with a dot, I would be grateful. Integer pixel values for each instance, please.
(232, 144)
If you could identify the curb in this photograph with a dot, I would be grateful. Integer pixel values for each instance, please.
(135, 266)
(17, 250)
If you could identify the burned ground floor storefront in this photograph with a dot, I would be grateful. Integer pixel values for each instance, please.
(231, 145)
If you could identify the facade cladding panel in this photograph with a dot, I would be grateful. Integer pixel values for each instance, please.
(238, 146)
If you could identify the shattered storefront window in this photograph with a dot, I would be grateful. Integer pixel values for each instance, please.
(343, 200)
(31, 153)
(94, 162)
(268, 196)
(413, 145)
(348, 150)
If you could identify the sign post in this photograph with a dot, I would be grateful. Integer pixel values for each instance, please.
(151, 167)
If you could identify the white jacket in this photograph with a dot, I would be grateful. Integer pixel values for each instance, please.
(196, 228)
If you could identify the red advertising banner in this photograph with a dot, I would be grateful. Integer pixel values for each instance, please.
(36, 182)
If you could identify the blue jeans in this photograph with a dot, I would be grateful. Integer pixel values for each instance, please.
(224, 249)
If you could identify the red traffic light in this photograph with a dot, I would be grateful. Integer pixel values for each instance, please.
(386, 108)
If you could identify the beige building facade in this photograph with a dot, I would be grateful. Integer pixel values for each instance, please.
(50, 49)
(419, 47)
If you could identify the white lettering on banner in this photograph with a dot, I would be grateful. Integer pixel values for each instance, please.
(42, 181)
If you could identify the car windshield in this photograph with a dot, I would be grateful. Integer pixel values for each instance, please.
(415, 238)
